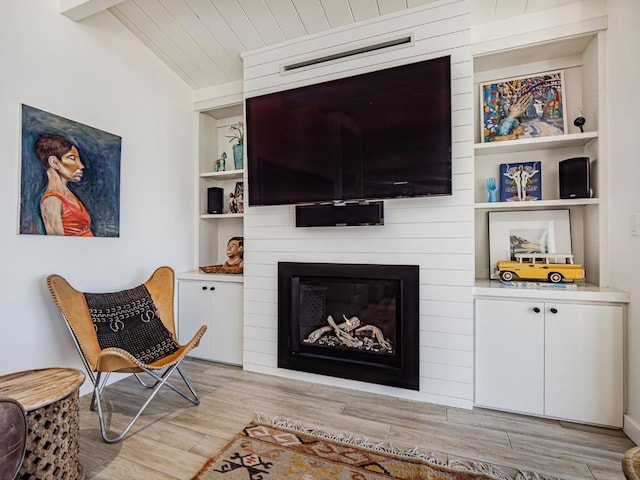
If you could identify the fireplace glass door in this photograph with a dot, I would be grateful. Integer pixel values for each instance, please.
(351, 321)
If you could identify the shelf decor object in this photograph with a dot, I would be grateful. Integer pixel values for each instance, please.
(492, 187)
(220, 163)
(524, 107)
(520, 182)
(529, 231)
(239, 195)
(237, 134)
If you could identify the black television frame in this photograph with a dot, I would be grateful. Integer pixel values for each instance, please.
(276, 177)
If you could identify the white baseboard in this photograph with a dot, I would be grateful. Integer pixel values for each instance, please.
(632, 429)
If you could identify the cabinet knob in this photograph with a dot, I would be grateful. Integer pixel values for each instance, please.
(204, 288)
(212, 288)
(553, 310)
(536, 309)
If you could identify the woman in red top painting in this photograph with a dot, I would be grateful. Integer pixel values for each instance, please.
(62, 211)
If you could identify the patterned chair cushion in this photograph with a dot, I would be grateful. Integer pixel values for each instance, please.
(129, 320)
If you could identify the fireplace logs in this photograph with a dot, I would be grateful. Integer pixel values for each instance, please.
(350, 334)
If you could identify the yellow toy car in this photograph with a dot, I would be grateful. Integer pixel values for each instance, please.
(552, 267)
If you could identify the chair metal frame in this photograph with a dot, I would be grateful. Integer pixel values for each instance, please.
(100, 363)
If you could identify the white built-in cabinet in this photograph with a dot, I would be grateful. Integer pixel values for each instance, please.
(509, 356)
(550, 352)
(216, 303)
(208, 298)
(551, 358)
(584, 362)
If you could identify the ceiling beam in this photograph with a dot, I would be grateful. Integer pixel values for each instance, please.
(78, 10)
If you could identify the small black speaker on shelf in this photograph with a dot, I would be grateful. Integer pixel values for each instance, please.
(343, 214)
(574, 175)
(214, 200)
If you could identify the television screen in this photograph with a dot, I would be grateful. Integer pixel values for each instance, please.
(384, 134)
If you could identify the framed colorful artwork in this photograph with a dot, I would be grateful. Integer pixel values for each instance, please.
(520, 182)
(529, 231)
(70, 183)
(525, 107)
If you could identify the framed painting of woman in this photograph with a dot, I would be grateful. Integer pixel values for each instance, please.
(70, 183)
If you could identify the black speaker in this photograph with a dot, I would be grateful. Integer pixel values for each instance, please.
(342, 214)
(214, 200)
(574, 175)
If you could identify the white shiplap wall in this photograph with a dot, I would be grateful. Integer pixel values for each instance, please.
(434, 233)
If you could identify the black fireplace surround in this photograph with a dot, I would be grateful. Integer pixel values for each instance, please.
(377, 307)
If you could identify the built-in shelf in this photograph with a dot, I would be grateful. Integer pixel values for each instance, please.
(224, 175)
(221, 216)
(535, 204)
(582, 292)
(200, 275)
(531, 144)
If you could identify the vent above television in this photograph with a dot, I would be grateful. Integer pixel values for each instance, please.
(383, 134)
(376, 47)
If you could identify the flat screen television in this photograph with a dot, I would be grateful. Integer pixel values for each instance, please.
(378, 135)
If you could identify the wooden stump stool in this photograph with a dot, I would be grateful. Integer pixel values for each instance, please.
(50, 398)
(631, 464)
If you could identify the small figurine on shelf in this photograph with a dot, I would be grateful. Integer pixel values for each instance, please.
(221, 162)
(240, 203)
(239, 196)
(492, 188)
(233, 204)
(235, 253)
(235, 258)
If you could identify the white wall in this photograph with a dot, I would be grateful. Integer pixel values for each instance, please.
(434, 233)
(624, 107)
(97, 73)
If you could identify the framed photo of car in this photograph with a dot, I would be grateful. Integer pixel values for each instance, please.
(524, 107)
(527, 231)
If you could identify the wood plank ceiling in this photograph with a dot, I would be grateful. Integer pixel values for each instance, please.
(201, 40)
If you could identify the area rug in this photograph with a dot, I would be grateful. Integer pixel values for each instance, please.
(281, 449)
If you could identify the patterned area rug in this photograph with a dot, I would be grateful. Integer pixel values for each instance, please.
(279, 449)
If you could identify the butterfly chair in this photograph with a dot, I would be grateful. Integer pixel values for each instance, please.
(131, 331)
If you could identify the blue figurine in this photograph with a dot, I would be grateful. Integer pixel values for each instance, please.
(220, 163)
(492, 188)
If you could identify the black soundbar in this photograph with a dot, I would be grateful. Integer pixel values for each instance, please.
(340, 214)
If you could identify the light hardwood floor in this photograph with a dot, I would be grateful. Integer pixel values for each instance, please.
(173, 438)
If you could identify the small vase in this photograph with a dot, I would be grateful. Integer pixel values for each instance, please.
(238, 157)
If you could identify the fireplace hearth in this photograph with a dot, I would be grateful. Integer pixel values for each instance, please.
(355, 321)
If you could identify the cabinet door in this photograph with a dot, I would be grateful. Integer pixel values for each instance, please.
(194, 310)
(509, 364)
(583, 363)
(226, 323)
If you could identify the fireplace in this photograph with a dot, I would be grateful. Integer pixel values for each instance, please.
(350, 321)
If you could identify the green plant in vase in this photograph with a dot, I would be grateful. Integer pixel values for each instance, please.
(237, 135)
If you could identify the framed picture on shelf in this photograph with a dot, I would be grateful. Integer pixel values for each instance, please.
(236, 199)
(528, 231)
(520, 182)
(525, 107)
